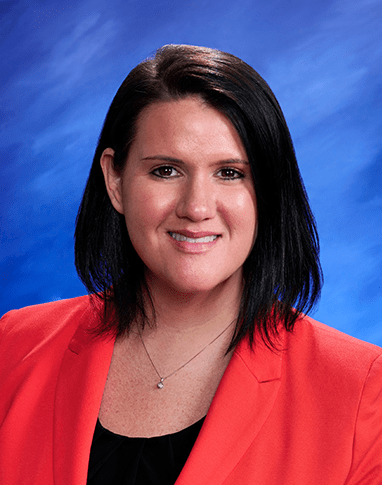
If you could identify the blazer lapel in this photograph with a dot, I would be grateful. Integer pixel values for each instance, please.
(241, 405)
(79, 392)
(239, 409)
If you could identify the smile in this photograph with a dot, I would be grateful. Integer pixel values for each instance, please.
(180, 237)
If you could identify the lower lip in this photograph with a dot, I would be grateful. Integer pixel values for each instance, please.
(196, 247)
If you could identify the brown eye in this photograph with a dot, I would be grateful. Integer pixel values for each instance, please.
(230, 173)
(165, 172)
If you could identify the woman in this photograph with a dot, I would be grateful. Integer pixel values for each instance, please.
(192, 361)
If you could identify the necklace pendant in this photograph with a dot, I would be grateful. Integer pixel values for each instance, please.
(160, 384)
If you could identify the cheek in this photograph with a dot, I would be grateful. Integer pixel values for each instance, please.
(145, 208)
(241, 212)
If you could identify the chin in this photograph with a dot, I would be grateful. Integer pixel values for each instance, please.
(195, 282)
(200, 286)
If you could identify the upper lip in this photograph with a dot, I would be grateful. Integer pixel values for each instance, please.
(195, 234)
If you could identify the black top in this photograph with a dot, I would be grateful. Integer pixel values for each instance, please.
(120, 460)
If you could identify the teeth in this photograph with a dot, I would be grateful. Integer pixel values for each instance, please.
(180, 237)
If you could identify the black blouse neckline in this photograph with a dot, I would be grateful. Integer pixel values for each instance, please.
(158, 460)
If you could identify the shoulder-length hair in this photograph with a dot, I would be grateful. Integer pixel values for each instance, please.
(282, 274)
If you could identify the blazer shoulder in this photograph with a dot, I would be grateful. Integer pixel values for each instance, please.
(333, 335)
(29, 326)
(329, 346)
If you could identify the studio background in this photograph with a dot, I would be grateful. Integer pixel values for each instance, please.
(61, 64)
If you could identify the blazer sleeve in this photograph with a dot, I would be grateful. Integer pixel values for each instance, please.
(366, 466)
(3, 324)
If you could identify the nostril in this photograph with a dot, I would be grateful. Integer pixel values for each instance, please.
(196, 203)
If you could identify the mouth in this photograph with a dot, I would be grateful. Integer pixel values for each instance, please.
(204, 239)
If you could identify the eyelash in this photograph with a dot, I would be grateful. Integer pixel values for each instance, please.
(164, 167)
(236, 173)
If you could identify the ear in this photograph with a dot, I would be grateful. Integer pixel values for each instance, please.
(112, 179)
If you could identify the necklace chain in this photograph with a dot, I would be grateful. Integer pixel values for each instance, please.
(161, 379)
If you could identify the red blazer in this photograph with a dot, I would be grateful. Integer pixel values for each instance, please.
(311, 414)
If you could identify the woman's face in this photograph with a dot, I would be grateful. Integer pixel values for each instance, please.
(187, 196)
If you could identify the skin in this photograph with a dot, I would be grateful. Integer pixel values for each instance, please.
(186, 175)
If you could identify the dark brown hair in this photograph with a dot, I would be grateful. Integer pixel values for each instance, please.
(282, 274)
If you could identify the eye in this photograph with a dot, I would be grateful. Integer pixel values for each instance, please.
(230, 174)
(165, 172)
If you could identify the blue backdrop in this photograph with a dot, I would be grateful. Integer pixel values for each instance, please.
(61, 64)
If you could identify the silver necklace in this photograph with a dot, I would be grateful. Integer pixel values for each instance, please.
(162, 379)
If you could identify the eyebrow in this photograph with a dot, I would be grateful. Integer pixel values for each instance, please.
(166, 158)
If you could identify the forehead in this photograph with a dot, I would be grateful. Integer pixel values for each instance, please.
(188, 123)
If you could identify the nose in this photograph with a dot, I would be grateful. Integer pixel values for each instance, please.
(196, 199)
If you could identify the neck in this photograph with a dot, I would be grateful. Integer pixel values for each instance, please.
(194, 316)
